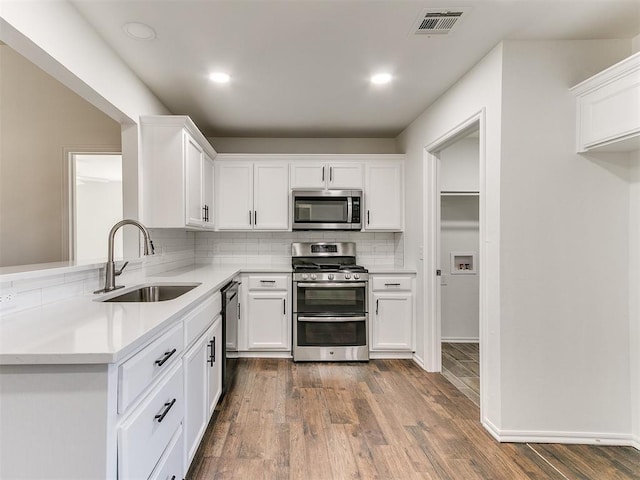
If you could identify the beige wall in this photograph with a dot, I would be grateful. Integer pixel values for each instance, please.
(39, 117)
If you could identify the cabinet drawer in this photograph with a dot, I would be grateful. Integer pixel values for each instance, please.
(170, 465)
(200, 318)
(269, 282)
(391, 283)
(148, 431)
(137, 373)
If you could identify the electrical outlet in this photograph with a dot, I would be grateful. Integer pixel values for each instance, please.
(8, 297)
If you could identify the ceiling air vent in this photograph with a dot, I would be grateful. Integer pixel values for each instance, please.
(438, 21)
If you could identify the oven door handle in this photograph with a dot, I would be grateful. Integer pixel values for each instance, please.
(331, 284)
(332, 319)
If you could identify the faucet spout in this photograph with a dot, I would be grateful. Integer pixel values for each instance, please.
(110, 267)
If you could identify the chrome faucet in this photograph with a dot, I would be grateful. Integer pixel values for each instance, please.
(110, 268)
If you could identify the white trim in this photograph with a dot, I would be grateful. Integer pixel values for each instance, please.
(418, 359)
(390, 355)
(69, 190)
(433, 327)
(263, 354)
(584, 438)
(460, 340)
(635, 442)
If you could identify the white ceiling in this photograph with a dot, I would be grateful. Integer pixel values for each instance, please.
(302, 67)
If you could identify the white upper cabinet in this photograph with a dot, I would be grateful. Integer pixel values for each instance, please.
(252, 195)
(234, 195)
(326, 175)
(177, 173)
(608, 108)
(384, 196)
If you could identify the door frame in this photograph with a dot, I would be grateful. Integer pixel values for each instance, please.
(69, 191)
(431, 235)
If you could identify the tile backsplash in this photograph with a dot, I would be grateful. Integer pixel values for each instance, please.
(274, 248)
(179, 248)
(174, 249)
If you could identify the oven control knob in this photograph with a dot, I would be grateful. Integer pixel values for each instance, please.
(356, 276)
(305, 276)
(313, 276)
(347, 276)
(330, 276)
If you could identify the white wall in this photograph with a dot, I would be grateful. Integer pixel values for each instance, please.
(479, 89)
(38, 118)
(460, 297)
(564, 252)
(303, 145)
(459, 166)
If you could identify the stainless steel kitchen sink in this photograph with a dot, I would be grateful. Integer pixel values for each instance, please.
(153, 293)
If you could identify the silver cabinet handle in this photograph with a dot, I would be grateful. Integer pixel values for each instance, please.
(284, 306)
(377, 302)
(267, 281)
(323, 173)
(255, 218)
(391, 284)
(331, 174)
(250, 217)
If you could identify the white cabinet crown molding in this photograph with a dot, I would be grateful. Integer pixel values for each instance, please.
(181, 121)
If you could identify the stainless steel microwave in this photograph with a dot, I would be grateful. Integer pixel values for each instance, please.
(327, 210)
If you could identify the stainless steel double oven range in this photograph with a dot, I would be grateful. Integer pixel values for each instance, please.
(330, 313)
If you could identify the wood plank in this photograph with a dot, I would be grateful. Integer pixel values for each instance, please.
(378, 420)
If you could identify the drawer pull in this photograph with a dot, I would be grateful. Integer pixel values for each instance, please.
(165, 357)
(167, 407)
(267, 281)
(391, 284)
(212, 357)
(173, 477)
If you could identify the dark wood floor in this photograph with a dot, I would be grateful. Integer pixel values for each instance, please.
(384, 419)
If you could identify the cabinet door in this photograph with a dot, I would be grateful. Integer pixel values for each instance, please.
(214, 366)
(392, 325)
(268, 327)
(345, 176)
(271, 196)
(194, 156)
(309, 175)
(207, 190)
(195, 389)
(234, 195)
(384, 198)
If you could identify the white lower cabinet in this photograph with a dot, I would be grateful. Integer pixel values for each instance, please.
(203, 385)
(392, 314)
(142, 417)
(265, 321)
(170, 466)
(147, 432)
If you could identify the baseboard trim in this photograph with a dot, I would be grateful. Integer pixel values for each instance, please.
(460, 340)
(390, 355)
(263, 354)
(584, 438)
(635, 442)
(418, 360)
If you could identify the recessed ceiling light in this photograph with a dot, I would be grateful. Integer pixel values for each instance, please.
(139, 31)
(381, 78)
(219, 77)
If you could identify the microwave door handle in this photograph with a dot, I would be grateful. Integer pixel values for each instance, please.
(349, 209)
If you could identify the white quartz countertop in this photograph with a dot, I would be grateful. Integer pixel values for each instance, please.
(81, 330)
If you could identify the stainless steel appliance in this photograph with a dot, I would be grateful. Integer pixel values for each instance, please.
(230, 316)
(327, 210)
(330, 314)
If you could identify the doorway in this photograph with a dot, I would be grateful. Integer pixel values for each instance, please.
(459, 242)
(95, 204)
